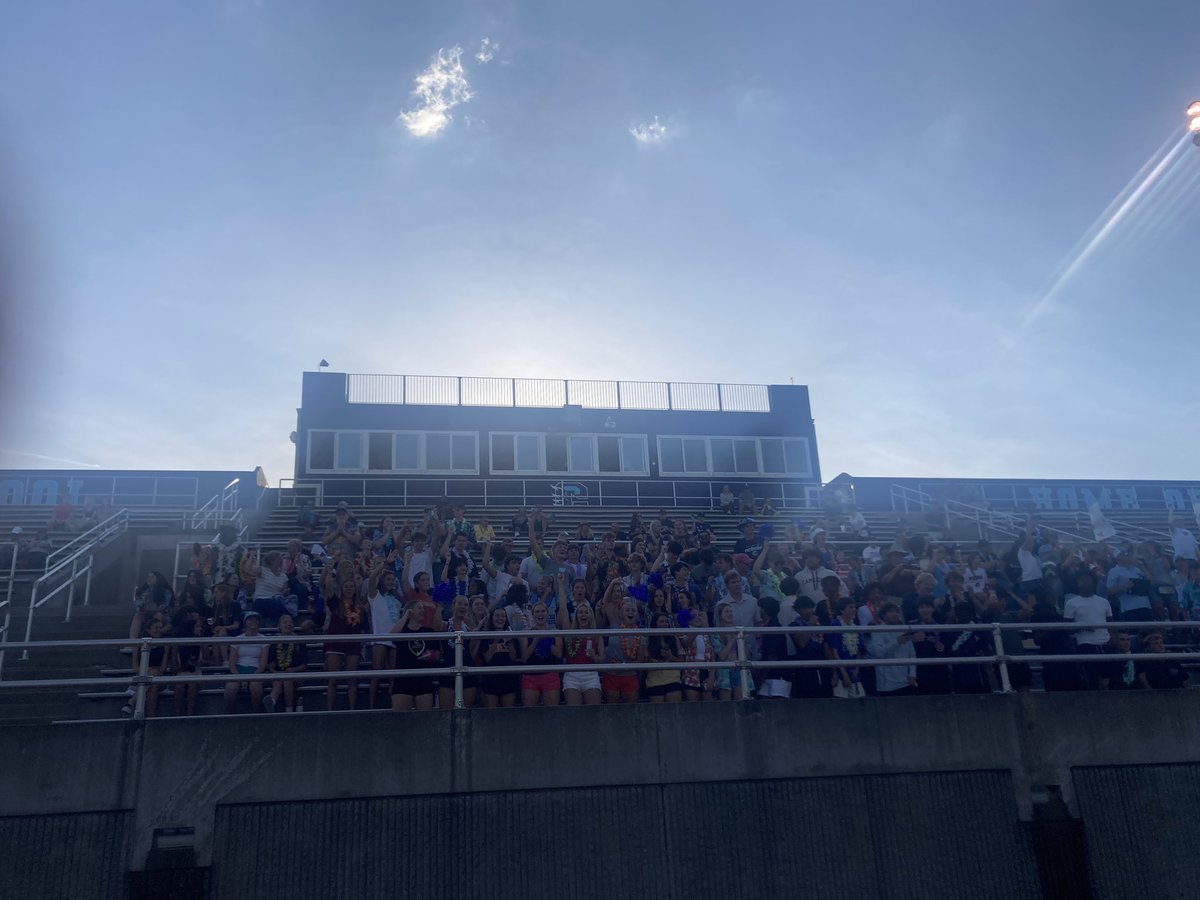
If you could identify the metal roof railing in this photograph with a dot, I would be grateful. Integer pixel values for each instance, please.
(458, 390)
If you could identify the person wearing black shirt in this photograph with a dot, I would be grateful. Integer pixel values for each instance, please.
(415, 691)
(749, 543)
(931, 645)
(1160, 675)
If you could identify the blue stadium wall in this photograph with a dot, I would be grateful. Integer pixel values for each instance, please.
(124, 487)
(326, 407)
(1028, 494)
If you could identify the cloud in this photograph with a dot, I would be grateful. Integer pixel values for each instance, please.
(487, 50)
(439, 88)
(652, 132)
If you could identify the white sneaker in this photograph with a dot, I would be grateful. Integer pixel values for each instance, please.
(269, 703)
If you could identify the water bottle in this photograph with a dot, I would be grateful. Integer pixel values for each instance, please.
(299, 704)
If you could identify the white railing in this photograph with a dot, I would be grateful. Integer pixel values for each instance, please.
(625, 492)
(742, 664)
(987, 521)
(909, 499)
(79, 555)
(80, 569)
(99, 534)
(222, 508)
(7, 602)
(456, 390)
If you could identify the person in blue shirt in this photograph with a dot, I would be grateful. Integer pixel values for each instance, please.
(1129, 590)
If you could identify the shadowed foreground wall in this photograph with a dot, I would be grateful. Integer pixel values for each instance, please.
(829, 837)
(905, 797)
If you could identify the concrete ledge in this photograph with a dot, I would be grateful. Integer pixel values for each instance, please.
(176, 772)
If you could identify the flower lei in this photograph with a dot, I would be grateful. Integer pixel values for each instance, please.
(351, 615)
(850, 642)
(284, 654)
(573, 645)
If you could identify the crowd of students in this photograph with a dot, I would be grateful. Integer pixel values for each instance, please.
(447, 576)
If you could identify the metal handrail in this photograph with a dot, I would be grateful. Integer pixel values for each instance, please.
(223, 501)
(114, 524)
(143, 680)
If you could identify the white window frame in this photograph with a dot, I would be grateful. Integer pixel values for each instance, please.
(593, 471)
(364, 459)
(512, 436)
(710, 471)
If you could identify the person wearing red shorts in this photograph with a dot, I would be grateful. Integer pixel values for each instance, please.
(545, 687)
(624, 687)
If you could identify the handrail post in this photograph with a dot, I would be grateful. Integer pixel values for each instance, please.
(998, 641)
(71, 587)
(4, 637)
(743, 662)
(458, 670)
(29, 619)
(87, 585)
(12, 573)
(139, 706)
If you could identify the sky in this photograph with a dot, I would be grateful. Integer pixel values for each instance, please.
(971, 228)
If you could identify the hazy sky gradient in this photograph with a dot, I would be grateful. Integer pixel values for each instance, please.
(872, 199)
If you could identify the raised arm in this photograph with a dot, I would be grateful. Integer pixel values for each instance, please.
(756, 572)
(486, 562)
(561, 618)
(535, 546)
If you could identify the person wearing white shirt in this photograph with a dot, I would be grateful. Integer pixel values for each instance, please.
(417, 558)
(810, 577)
(1089, 608)
(1184, 544)
(1031, 566)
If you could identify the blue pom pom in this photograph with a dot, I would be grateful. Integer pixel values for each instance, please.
(444, 592)
(684, 617)
(656, 579)
(640, 592)
(766, 531)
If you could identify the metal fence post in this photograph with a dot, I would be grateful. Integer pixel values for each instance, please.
(743, 662)
(4, 638)
(87, 585)
(29, 620)
(458, 670)
(71, 588)
(998, 641)
(12, 572)
(139, 707)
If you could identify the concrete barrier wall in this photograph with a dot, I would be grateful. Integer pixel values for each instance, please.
(908, 837)
(179, 773)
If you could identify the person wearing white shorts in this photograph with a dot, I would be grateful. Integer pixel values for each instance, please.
(581, 649)
(581, 681)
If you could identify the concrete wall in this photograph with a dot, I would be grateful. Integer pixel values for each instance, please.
(708, 768)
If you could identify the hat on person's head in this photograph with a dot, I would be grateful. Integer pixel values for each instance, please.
(895, 550)
(749, 520)
(742, 559)
(342, 504)
(250, 613)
